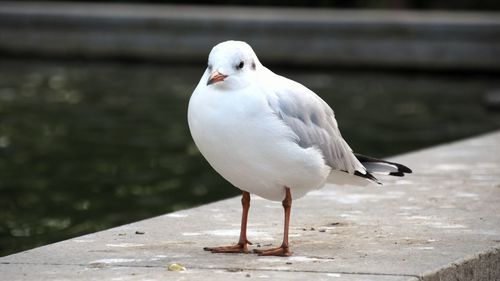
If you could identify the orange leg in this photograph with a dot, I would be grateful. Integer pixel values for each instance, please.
(241, 247)
(284, 249)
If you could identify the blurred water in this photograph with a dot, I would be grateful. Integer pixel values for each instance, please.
(89, 145)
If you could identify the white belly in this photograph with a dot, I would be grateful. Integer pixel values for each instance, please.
(250, 147)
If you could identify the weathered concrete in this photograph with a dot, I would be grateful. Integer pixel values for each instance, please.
(440, 223)
(402, 39)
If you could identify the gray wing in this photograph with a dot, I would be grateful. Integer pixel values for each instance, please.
(313, 121)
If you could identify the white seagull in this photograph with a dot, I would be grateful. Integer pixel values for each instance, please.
(270, 136)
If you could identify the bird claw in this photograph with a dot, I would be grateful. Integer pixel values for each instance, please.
(281, 251)
(238, 248)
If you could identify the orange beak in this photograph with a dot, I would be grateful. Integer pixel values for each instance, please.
(216, 77)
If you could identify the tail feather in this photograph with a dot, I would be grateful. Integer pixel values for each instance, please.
(378, 166)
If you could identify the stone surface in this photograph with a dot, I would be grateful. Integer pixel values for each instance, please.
(440, 223)
(387, 39)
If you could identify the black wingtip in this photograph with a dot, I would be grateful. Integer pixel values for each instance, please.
(402, 169)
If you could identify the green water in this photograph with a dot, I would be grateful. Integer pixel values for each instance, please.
(85, 146)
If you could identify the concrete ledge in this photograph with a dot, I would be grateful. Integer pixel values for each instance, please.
(401, 39)
(440, 223)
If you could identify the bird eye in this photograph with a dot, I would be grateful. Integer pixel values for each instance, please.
(209, 66)
(240, 66)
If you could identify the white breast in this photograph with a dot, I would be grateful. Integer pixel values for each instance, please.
(249, 146)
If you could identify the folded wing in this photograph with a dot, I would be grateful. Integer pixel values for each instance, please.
(314, 124)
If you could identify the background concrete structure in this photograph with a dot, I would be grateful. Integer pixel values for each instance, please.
(440, 223)
(378, 39)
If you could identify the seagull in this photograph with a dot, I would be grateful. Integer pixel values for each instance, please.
(270, 136)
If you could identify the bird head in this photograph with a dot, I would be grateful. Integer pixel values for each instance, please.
(231, 64)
